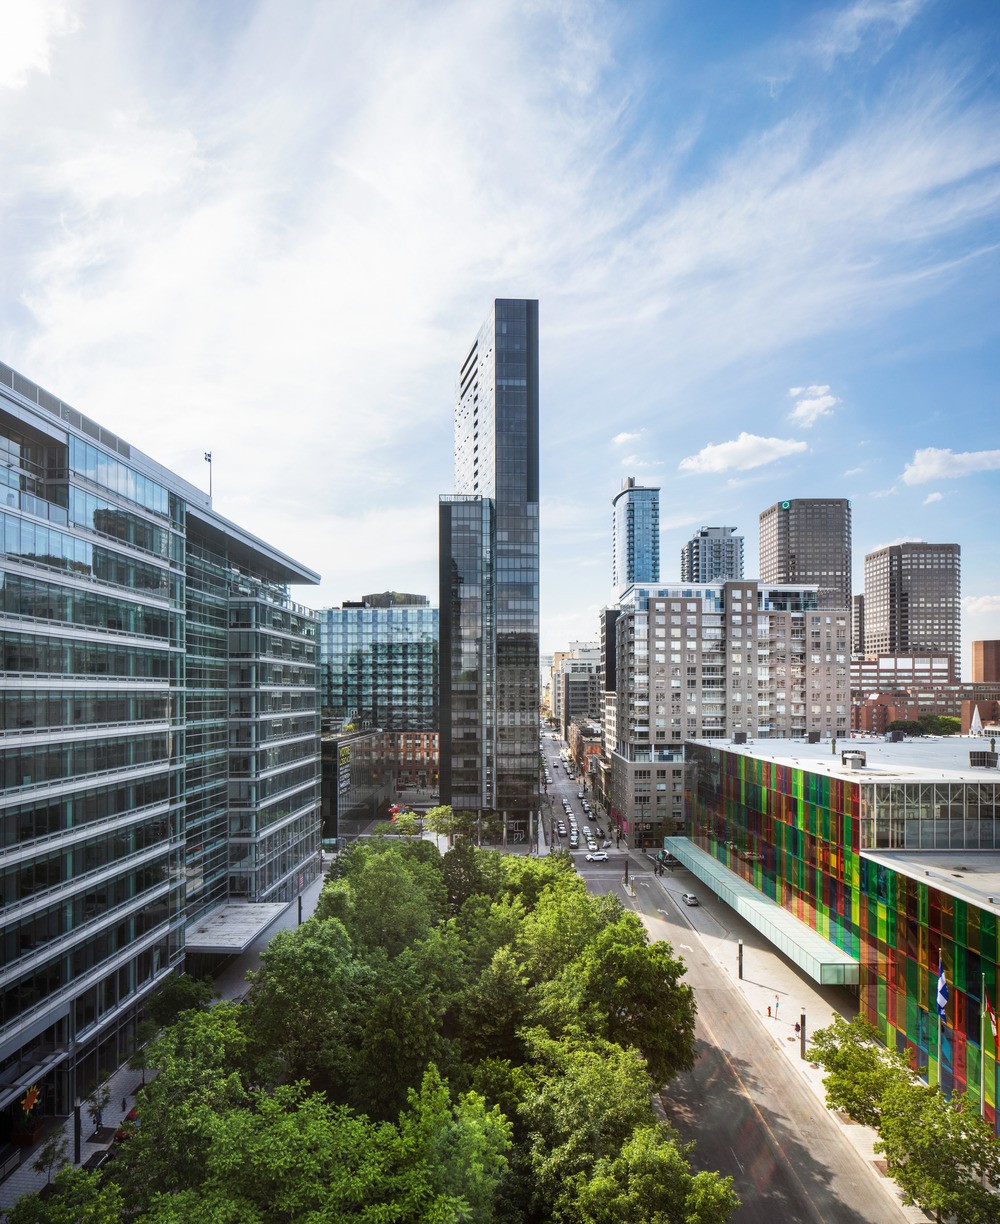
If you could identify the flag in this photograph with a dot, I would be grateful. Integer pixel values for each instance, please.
(208, 456)
(942, 990)
(992, 1017)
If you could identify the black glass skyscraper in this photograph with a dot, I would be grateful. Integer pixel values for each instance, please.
(489, 576)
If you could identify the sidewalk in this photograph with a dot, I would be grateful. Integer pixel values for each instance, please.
(231, 984)
(771, 982)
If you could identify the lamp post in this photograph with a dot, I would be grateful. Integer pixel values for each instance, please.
(76, 1130)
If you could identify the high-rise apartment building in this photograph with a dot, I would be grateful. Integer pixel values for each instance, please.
(913, 600)
(379, 664)
(713, 554)
(159, 738)
(808, 540)
(635, 535)
(712, 661)
(488, 576)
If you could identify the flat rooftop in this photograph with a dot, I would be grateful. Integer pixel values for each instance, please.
(972, 875)
(232, 927)
(924, 758)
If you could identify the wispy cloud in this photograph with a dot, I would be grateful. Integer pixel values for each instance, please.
(625, 439)
(855, 471)
(840, 32)
(815, 402)
(931, 498)
(891, 491)
(977, 605)
(27, 32)
(741, 454)
(935, 463)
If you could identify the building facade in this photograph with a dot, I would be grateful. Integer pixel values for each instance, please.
(713, 661)
(379, 665)
(713, 554)
(488, 576)
(808, 540)
(891, 856)
(986, 662)
(159, 742)
(913, 600)
(635, 535)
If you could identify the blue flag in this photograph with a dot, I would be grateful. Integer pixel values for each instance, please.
(942, 990)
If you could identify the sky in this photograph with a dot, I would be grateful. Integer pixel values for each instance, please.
(765, 240)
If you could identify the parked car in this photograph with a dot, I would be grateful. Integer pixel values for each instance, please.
(690, 899)
(597, 856)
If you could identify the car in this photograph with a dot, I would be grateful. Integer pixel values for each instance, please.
(574, 843)
(561, 829)
(586, 830)
(690, 899)
(606, 844)
(597, 856)
(591, 844)
(579, 794)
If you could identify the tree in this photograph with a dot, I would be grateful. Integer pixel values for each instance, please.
(139, 1060)
(649, 1180)
(939, 1153)
(180, 993)
(637, 988)
(392, 908)
(563, 922)
(859, 1069)
(98, 1099)
(301, 1000)
(78, 1197)
(494, 1009)
(469, 872)
(54, 1151)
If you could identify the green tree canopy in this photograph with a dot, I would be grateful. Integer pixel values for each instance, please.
(859, 1069)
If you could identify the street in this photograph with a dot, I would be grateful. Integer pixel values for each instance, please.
(749, 1113)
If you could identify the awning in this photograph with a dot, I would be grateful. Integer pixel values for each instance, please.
(822, 960)
(232, 927)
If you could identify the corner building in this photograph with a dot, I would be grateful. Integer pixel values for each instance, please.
(488, 577)
(159, 739)
(864, 868)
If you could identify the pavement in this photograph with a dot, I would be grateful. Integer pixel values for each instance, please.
(776, 994)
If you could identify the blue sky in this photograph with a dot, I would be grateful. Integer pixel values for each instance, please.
(765, 239)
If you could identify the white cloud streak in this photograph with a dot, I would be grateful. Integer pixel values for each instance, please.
(936, 463)
(27, 32)
(741, 454)
(931, 498)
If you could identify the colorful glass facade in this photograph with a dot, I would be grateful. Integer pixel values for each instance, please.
(797, 837)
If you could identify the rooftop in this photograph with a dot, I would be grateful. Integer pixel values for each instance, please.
(972, 875)
(924, 758)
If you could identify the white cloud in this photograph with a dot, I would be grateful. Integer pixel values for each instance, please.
(935, 463)
(743, 453)
(855, 471)
(845, 31)
(980, 605)
(816, 402)
(890, 492)
(27, 31)
(625, 439)
(931, 498)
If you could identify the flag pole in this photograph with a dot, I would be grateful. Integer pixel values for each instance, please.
(982, 1046)
(939, 1053)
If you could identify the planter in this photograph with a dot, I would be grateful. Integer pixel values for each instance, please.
(27, 1138)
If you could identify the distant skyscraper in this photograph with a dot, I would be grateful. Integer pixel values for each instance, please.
(713, 554)
(635, 535)
(808, 540)
(912, 600)
(488, 559)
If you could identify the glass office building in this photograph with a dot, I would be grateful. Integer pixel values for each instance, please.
(635, 535)
(488, 578)
(379, 665)
(891, 857)
(159, 739)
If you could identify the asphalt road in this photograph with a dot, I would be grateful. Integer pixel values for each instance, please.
(743, 1105)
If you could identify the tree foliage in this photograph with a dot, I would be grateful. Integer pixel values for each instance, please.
(859, 1069)
(457, 1038)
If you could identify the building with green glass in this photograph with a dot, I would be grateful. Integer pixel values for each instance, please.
(159, 739)
(867, 863)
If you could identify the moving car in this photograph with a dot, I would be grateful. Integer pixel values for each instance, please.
(597, 856)
(690, 899)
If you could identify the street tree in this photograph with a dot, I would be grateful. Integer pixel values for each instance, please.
(859, 1068)
(77, 1197)
(943, 1154)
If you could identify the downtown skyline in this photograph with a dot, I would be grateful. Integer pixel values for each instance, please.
(763, 239)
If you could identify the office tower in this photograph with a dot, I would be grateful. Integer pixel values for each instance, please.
(912, 600)
(488, 575)
(577, 685)
(986, 662)
(159, 739)
(858, 625)
(713, 554)
(379, 664)
(635, 535)
(808, 540)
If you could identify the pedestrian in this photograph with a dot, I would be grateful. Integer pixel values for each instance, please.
(776, 1002)
(798, 1028)
(769, 1011)
(124, 1104)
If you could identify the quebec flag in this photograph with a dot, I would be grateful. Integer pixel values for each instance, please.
(942, 990)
